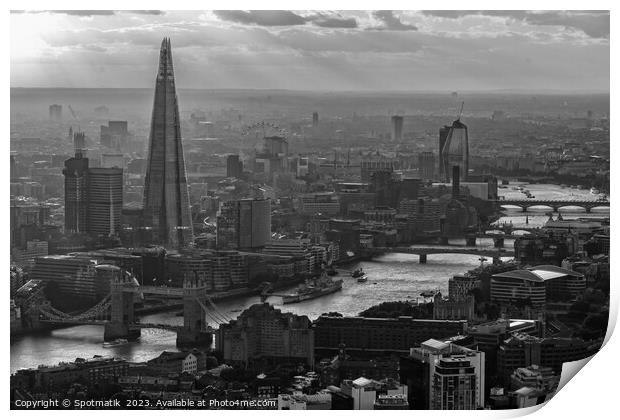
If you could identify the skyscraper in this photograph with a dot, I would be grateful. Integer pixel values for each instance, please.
(443, 135)
(166, 196)
(455, 151)
(76, 192)
(315, 119)
(105, 201)
(397, 128)
(93, 196)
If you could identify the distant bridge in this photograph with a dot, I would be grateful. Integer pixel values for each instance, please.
(423, 252)
(555, 205)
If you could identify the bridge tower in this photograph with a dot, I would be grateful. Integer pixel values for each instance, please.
(195, 331)
(122, 313)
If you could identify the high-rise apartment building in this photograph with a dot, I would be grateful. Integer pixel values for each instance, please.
(166, 196)
(455, 384)
(444, 376)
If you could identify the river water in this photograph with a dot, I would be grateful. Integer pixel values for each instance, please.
(391, 277)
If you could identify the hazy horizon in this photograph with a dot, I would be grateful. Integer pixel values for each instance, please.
(393, 92)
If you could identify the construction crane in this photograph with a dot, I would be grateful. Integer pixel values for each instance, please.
(73, 113)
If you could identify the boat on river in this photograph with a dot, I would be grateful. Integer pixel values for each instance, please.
(314, 288)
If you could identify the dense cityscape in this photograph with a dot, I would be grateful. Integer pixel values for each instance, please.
(293, 250)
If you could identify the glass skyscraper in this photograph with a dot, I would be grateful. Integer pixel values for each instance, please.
(166, 196)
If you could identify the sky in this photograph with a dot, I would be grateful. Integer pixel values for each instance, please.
(315, 50)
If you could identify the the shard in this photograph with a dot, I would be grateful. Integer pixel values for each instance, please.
(166, 197)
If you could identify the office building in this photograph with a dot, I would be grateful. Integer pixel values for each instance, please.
(534, 376)
(536, 285)
(443, 135)
(397, 128)
(315, 119)
(391, 402)
(426, 165)
(453, 309)
(372, 335)
(518, 287)
(166, 196)
(264, 334)
(217, 270)
(325, 204)
(105, 201)
(460, 286)
(55, 112)
(521, 350)
(114, 135)
(93, 196)
(244, 224)
(374, 163)
(455, 151)
(76, 188)
(71, 280)
(273, 158)
(234, 166)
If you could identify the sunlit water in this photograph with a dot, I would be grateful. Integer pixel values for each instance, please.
(391, 277)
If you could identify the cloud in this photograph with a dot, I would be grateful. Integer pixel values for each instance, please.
(333, 22)
(285, 18)
(84, 12)
(261, 17)
(391, 22)
(593, 23)
(145, 12)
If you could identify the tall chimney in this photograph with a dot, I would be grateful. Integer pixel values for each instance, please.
(456, 182)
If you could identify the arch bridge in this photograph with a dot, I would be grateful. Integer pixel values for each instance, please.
(555, 205)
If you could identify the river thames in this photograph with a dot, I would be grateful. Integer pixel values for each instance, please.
(391, 277)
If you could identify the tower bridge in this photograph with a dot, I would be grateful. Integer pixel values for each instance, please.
(115, 312)
(555, 205)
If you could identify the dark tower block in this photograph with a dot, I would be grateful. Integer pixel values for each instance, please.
(76, 188)
(443, 135)
(166, 196)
